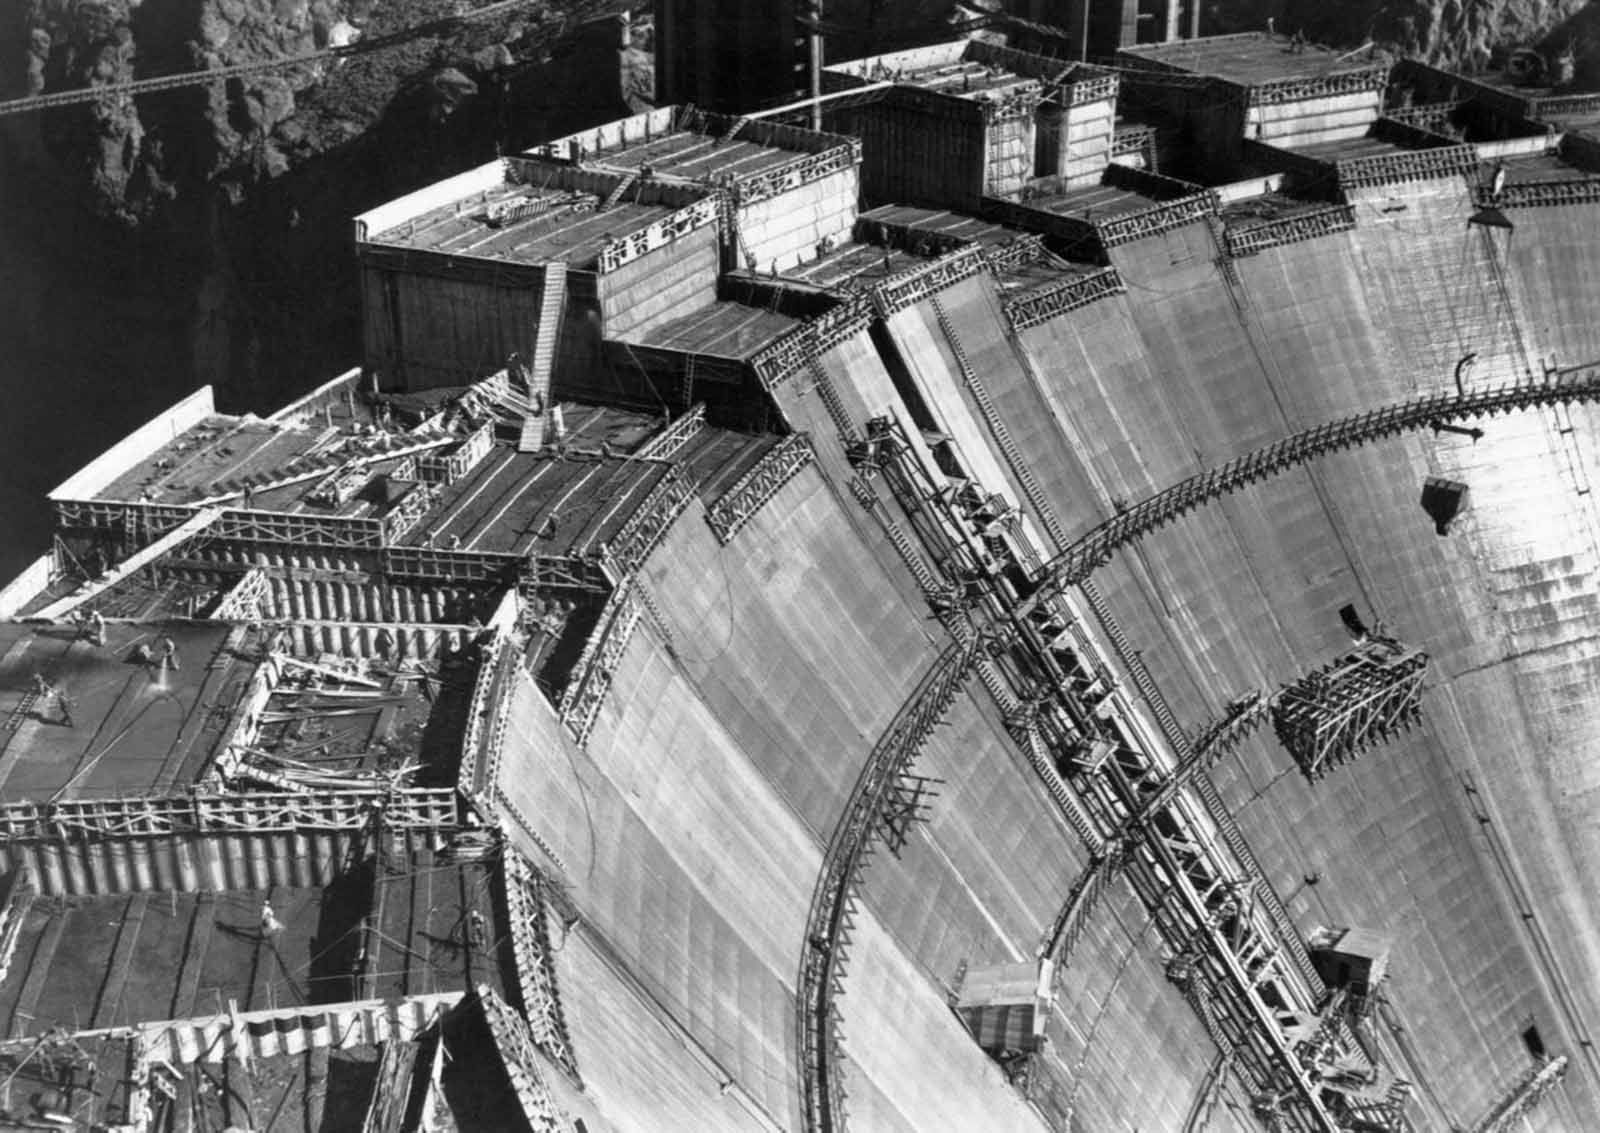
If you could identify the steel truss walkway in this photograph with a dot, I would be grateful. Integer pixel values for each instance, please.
(1074, 565)
(830, 919)
(1238, 960)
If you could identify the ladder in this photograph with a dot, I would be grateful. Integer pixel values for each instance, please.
(733, 132)
(552, 307)
(627, 182)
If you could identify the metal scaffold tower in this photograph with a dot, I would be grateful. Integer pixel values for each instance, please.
(1333, 714)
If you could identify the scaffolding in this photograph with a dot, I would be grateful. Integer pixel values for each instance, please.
(831, 914)
(1250, 978)
(1332, 715)
(586, 690)
(210, 812)
(738, 505)
(1074, 565)
(528, 913)
(1523, 1097)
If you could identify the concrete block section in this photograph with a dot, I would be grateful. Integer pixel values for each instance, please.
(925, 1070)
(786, 229)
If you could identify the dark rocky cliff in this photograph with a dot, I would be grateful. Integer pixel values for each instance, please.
(237, 195)
(203, 235)
(1463, 34)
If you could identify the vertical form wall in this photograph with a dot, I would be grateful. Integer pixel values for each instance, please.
(1041, 437)
(679, 856)
(920, 148)
(1190, 323)
(660, 285)
(447, 326)
(786, 229)
(1075, 140)
(1308, 121)
(1009, 142)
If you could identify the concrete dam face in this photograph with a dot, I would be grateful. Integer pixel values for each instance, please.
(1063, 600)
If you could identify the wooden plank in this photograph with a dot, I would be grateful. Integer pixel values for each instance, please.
(121, 960)
(201, 923)
(416, 931)
(38, 973)
(198, 722)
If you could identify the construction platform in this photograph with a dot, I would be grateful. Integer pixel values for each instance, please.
(966, 69)
(1249, 59)
(693, 147)
(129, 725)
(724, 330)
(810, 669)
(528, 215)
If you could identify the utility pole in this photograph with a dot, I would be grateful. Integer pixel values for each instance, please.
(815, 41)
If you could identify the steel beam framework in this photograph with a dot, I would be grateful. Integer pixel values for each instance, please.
(739, 504)
(136, 816)
(1333, 714)
(1523, 1097)
(829, 919)
(528, 911)
(1249, 988)
(1077, 562)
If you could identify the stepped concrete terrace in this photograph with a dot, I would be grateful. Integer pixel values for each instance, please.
(932, 630)
(949, 122)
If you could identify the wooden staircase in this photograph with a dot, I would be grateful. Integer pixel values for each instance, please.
(628, 181)
(552, 306)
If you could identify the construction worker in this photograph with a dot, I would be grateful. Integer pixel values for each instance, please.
(169, 654)
(270, 924)
(64, 702)
(96, 628)
(474, 929)
(42, 689)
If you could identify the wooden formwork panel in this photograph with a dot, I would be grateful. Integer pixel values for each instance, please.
(1368, 102)
(787, 229)
(183, 863)
(1330, 134)
(660, 286)
(920, 158)
(425, 330)
(1358, 122)
(1010, 159)
(1078, 132)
